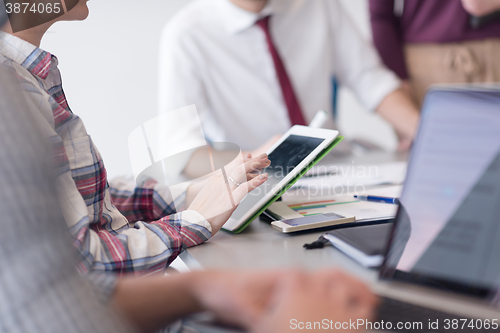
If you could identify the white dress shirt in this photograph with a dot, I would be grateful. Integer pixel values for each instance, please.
(214, 56)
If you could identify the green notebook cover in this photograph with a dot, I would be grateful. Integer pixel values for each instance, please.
(290, 184)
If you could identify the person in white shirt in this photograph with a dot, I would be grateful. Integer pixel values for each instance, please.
(253, 68)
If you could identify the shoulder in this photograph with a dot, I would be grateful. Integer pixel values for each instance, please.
(20, 74)
(310, 11)
(192, 20)
(36, 97)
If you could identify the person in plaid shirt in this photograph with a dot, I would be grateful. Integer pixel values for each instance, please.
(41, 291)
(117, 226)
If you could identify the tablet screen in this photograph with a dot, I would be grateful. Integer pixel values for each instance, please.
(284, 159)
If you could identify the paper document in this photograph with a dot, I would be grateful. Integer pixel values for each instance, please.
(393, 173)
(345, 205)
(365, 211)
(384, 191)
(294, 209)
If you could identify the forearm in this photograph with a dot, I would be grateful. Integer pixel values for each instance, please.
(481, 7)
(142, 249)
(399, 110)
(153, 303)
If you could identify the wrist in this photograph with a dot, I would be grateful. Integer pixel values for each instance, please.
(190, 195)
(154, 302)
(196, 286)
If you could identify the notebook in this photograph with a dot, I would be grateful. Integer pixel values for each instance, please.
(364, 244)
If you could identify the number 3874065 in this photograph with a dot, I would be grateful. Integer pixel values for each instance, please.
(26, 8)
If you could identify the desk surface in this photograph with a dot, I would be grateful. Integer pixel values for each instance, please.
(262, 247)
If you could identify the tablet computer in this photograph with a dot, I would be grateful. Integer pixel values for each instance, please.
(291, 157)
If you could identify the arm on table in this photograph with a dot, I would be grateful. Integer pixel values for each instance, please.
(309, 298)
(388, 39)
(148, 247)
(235, 297)
(256, 301)
(143, 248)
(359, 67)
(400, 111)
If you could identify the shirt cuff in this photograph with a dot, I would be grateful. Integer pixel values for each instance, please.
(195, 229)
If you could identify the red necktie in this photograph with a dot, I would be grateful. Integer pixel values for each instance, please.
(294, 110)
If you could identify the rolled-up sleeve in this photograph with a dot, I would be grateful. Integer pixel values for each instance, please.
(146, 200)
(143, 248)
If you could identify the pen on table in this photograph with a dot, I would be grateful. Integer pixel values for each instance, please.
(319, 119)
(374, 198)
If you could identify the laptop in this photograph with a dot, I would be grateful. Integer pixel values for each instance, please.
(442, 263)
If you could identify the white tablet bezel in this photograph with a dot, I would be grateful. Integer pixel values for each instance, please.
(328, 135)
(286, 228)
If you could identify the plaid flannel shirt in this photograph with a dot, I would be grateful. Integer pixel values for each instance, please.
(40, 290)
(123, 227)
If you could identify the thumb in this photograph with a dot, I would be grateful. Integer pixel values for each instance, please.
(247, 187)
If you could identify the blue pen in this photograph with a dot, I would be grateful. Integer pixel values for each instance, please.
(377, 199)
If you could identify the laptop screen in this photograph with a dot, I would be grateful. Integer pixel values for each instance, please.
(447, 231)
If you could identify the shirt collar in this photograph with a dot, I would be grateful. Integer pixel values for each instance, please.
(34, 59)
(237, 19)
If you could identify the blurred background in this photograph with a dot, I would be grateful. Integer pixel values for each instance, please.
(130, 35)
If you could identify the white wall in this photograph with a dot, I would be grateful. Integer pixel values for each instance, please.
(109, 64)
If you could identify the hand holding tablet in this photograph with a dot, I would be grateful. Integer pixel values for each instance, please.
(226, 187)
(291, 157)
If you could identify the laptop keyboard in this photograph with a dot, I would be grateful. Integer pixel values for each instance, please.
(406, 317)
